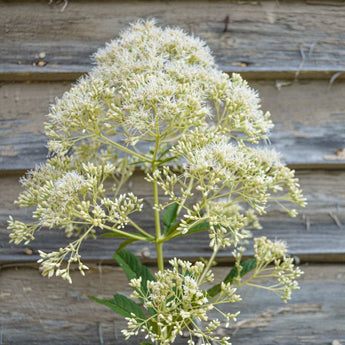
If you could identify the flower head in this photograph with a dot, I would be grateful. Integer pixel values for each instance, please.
(177, 302)
(156, 100)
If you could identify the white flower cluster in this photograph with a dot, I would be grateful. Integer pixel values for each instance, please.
(275, 253)
(70, 196)
(146, 81)
(227, 175)
(242, 112)
(179, 303)
(156, 100)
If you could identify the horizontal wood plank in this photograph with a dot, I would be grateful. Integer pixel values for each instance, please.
(305, 40)
(316, 234)
(309, 119)
(324, 242)
(35, 310)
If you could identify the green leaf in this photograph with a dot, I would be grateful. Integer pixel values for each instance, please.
(122, 305)
(197, 228)
(200, 227)
(114, 234)
(125, 244)
(160, 160)
(247, 266)
(134, 269)
(146, 343)
(169, 231)
(167, 160)
(169, 216)
(165, 151)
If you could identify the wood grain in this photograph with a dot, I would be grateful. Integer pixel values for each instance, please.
(316, 234)
(309, 122)
(35, 310)
(324, 242)
(264, 39)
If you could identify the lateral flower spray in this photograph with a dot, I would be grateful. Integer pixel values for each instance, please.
(156, 101)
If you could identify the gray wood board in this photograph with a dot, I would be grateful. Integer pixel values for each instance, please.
(317, 233)
(324, 190)
(309, 119)
(323, 242)
(318, 149)
(35, 310)
(263, 37)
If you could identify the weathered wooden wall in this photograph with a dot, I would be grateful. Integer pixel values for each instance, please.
(35, 310)
(293, 52)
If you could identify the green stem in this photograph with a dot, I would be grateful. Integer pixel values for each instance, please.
(158, 239)
(176, 234)
(190, 186)
(135, 225)
(124, 149)
(209, 264)
(256, 274)
(270, 288)
(159, 243)
(125, 234)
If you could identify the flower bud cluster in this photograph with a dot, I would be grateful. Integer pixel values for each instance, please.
(70, 196)
(275, 253)
(52, 263)
(242, 113)
(229, 174)
(179, 303)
